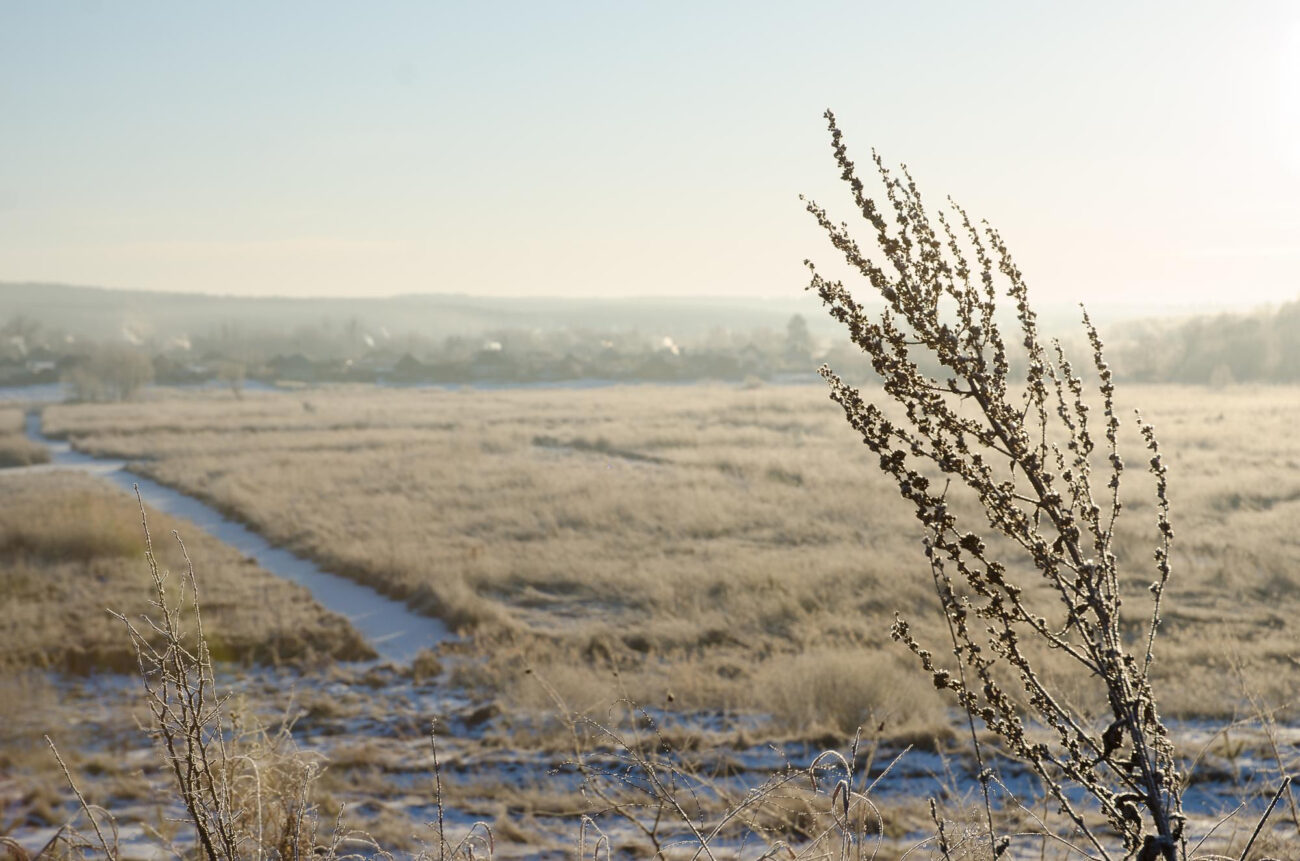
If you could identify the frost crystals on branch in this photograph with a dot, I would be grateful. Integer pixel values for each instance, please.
(1025, 450)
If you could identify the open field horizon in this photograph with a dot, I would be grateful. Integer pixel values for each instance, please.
(669, 532)
(699, 550)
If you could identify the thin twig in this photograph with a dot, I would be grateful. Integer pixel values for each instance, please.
(1286, 781)
(437, 789)
(108, 853)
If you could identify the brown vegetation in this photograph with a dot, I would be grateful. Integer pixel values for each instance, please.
(672, 532)
(71, 546)
(280, 798)
(15, 448)
(1030, 458)
(663, 549)
(244, 790)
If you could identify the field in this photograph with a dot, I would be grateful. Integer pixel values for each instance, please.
(70, 546)
(71, 549)
(733, 548)
(699, 550)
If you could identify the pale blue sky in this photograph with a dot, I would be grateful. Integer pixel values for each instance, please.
(1139, 152)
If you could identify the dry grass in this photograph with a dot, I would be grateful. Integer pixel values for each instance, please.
(71, 546)
(15, 448)
(707, 542)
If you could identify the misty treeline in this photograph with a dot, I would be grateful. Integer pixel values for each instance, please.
(115, 365)
(1222, 349)
(1262, 347)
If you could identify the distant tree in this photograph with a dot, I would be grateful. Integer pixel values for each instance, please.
(232, 373)
(109, 373)
(19, 334)
(1221, 377)
(798, 341)
(1286, 330)
(409, 369)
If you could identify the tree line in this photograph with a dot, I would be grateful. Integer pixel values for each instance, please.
(1222, 349)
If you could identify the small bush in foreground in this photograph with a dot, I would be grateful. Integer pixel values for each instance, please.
(1045, 472)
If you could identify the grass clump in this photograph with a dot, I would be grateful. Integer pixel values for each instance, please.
(15, 448)
(844, 691)
(79, 526)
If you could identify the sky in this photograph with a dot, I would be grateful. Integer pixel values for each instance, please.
(1138, 152)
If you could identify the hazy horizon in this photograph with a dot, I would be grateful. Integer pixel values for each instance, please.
(1142, 155)
(803, 301)
(124, 316)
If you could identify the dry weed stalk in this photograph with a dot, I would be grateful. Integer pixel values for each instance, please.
(247, 791)
(188, 718)
(1028, 457)
(68, 840)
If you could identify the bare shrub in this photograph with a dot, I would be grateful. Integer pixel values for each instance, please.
(191, 728)
(1047, 480)
(247, 790)
(109, 373)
